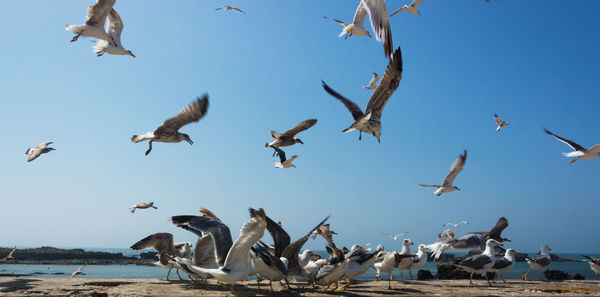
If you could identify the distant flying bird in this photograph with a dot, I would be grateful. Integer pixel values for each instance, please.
(412, 8)
(500, 122)
(227, 7)
(95, 19)
(169, 131)
(373, 83)
(539, 262)
(41, 148)
(355, 28)
(370, 120)
(447, 186)
(395, 236)
(594, 264)
(114, 46)
(142, 205)
(455, 224)
(287, 138)
(9, 256)
(284, 163)
(580, 152)
(78, 271)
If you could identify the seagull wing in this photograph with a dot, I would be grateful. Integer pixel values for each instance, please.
(398, 10)
(416, 3)
(238, 10)
(380, 22)
(192, 113)
(496, 231)
(351, 106)
(497, 119)
(455, 169)
(204, 252)
(280, 238)
(203, 226)
(280, 153)
(430, 186)
(10, 254)
(337, 21)
(44, 145)
(98, 13)
(359, 15)
(250, 233)
(388, 84)
(572, 144)
(291, 251)
(162, 242)
(300, 127)
(115, 27)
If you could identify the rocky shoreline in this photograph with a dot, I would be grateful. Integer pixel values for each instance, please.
(56, 256)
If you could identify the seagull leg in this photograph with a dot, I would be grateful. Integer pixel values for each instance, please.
(169, 272)
(410, 273)
(76, 37)
(471, 278)
(271, 285)
(100, 53)
(524, 276)
(149, 147)
(222, 285)
(359, 135)
(486, 277)
(177, 271)
(390, 281)
(258, 280)
(377, 276)
(502, 277)
(573, 161)
(235, 293)
(542, 276)
(342, 288)
(288, 284)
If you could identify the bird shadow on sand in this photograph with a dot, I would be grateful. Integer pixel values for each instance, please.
(16, 285)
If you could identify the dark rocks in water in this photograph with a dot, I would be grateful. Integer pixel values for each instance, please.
(149, 256)
(578, 276)
(561, 275)
(51, 255)
(424, 274)
(446, 257)
(447, 271)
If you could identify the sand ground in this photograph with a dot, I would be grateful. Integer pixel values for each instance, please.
(10, 286)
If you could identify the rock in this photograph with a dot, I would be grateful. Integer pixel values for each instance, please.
(424, 274)
(51, 255)
(149, 256)
(556, 275)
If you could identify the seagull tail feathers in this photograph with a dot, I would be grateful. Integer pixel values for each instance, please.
(348, 130)
(100, 45)
(436, 249)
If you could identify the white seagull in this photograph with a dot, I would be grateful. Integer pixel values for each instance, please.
(419, 261)
(412, 8)
(539, 262)
(481, 263)
(113, 47)
(95, 19)
(284, 163)
(360, 259)
(373, 83)
(406, 262)
(227, 7)
(142, 205)
(78, 271)
(395, 236)
(41, 148)
(580, 152)
(370, 120)
(501, 124)
(447, 186)
(455, 225)
(169, 131)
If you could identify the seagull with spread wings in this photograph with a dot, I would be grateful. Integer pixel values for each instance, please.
(142, 205)
(370, 120)
(501, 124)
(455, 225)
(373, 83)
(169, 131)
(284, 163)
(94, 23)
(163, 243)
(447, 186)
(227, 7)
(114, 46)
(9, 256)
(412, 8)
(580, 152)
(287, 138)
(78, 271)
(41, 148)
(395, 236)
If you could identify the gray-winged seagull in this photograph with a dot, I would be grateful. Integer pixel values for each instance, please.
(395, 236)
(481, 263)
(142, 205)
(113, 47)
(447, 186)
(163, 243)
(35, 152)
(455, 224)
(227, 7)
(504, 264)
(580, 152)
(95, 19)
(412, 8)
(287, 138)
(9, 256)
(539, 262)
(594, 264)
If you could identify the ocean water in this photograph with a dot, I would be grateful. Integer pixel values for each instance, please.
(142, 271)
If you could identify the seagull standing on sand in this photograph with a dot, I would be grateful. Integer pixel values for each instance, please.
(114, 46)
(389, 261)
(169, 131)
(287, 138)
(373, 83)
(9, 256)
(370, 120)
(580, 152)
(142, 205)
(78, 271)
(406, 262)
(594, 264)
(95, 19)
(163, 243)
(284, 163)
(41, 148)
(481, 263)
(504, 264)
(419, 261)
(447, 186)
(412, 8)
(395, 236)
(455, 225)
(539, 262)
(227, 7)
(500, 122)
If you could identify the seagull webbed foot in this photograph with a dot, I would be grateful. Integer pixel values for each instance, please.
(75, 37)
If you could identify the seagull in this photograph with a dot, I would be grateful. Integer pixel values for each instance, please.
(496, 231)
(370, 121)
(330, 271)
(360, 259)
(227, 7)
(326, 233)
(504, 264)
(419, 261)
(163, 243)
(94, 23)
(169, 131)
(406, 262)
(233, 258)
(41, 148)
(373, 83)
(389, 261)
(284, 163)
(395, 236)
(9, 256)
(539, 262)
(142, 205)
(447, 186)
(114, 46)
(412, 8)
(481, 263)
(580, 152)
(455, 225)
(500, 122)
(78, 271)
(287, 138)
(594, 264)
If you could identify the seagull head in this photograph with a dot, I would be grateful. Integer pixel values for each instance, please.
(130, 53)
(456, 188)
(492, 243)
(187, 138)
(297, 140)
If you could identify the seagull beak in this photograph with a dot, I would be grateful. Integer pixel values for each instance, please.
(132, 55)
(500, 243)
(300, 141)
(190, 141)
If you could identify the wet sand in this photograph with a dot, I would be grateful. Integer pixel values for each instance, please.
(11, 286)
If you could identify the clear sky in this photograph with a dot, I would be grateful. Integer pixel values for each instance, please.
(535, 63)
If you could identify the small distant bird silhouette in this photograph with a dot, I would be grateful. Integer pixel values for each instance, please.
(227, 7)
(41, 148)
(412, 8)
(373, 83)
(455, 224)
(500, 122)
(395, 236)
(78, 271)
(142, 205)
(284, 163)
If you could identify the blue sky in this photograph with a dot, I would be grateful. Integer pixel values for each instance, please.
(534, 63)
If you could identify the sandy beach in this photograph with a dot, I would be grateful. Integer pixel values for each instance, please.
(156, 287)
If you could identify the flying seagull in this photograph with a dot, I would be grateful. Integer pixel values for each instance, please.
(9, 256)
(41, 148)
(373, 83)
(169, 131)
(370, 120)
(227, 7)
(287, 138)
(412, 8)
(594, 264)
(78, 271)
(163, 243)
(539, 262)
(447, 186)
(455, 224)
(500, 122)
(481, 263)
(580, 152)
(114, 46)
(95, 19)
(142, 205)
(395, 236)
(285, 163)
